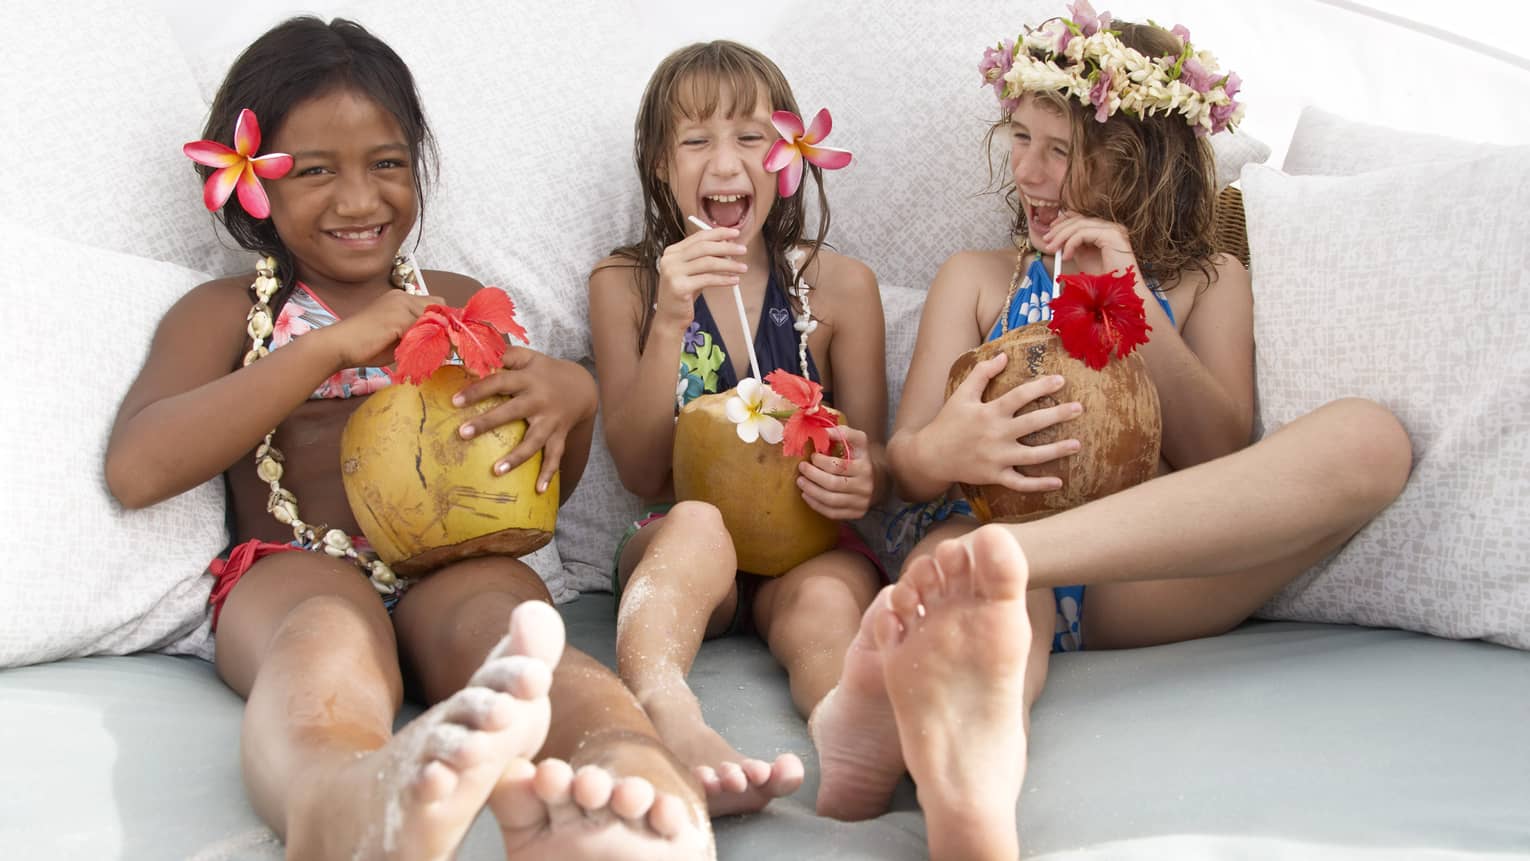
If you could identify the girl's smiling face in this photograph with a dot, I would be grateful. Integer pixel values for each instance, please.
(1041, 144)
(715, 166)
(350, 201)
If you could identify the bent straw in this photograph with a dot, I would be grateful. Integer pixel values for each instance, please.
(743, 317)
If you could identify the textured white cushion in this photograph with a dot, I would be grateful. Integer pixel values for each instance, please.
(81, 576)
(1326, 143)
(1408, 286)
(92, 143)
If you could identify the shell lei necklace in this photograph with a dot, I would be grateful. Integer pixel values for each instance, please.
(282, 504)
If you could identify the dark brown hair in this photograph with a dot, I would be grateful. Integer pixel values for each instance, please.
(694, 82)
(301, 59)
(1153, 175)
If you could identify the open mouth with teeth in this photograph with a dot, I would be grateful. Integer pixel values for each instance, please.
(726, 210)
(360, 234)
(1041, 214)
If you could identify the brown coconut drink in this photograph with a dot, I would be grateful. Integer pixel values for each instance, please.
(726, 453)
(422, 495)
(1097, 322)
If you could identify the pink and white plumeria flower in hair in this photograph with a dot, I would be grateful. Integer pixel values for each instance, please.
(239, 167)
(798, 145)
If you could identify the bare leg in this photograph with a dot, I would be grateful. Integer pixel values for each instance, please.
(955, 646)
(313, 652)
(1275, 506)
(682, 588)
(809, 615)
(443, 624)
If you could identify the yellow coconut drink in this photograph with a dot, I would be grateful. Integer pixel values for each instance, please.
(422, 495)
(753, 480)
(1097, 322)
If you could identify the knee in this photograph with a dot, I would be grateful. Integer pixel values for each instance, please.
(1375, 456)
(692, 514)
(702, 526)
(342, 623)
(818, 605)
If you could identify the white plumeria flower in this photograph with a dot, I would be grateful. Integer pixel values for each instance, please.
(747, 410)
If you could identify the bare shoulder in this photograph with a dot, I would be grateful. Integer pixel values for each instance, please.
(978, 266)
(842, 285)
(1227, 289)
(213, 305)
(455, 288)
(831, 270)
(614, 271)
(613, 285)
(976, 282)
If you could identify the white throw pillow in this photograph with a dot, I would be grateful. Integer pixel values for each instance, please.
(82, 576)
(1408, 286)
(96, 116)
(1326, 143)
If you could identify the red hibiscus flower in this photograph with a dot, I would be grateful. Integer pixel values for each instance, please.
(810, 422)
(1099, 316)
(476, 332)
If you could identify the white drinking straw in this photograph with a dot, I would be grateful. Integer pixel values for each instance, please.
(1057, 274)
(743, 317)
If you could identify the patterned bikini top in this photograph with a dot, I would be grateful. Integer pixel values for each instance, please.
(302, 313)
(704, 365)
(1031, 301)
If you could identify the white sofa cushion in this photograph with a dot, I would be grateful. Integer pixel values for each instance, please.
(81, 575)
(1408, 286)
(1326, 143)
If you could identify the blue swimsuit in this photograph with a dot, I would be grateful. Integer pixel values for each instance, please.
(1032, 303)
(705, 367)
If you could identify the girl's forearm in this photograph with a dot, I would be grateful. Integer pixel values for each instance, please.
(179, 442)
(914, 478)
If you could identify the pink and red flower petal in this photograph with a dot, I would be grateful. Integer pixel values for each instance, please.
(247, 134)
(825, 157)
(211, 153)
(220, 185)
(788, 124)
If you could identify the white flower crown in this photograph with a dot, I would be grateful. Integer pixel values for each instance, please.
(1083, 59)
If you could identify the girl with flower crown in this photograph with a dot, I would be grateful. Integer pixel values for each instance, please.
(322, 644)
(1112, 175)
(716, 120)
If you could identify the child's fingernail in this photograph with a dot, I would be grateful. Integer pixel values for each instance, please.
(501, 468)
(466, 431)
(541, 487)
(1056, 380)
(741, 249)
(1076, 408)
(458, 400)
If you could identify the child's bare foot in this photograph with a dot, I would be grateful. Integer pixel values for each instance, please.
(859, 757)
(415, 797)
(733, 782)
(553, 811)
(954, 648)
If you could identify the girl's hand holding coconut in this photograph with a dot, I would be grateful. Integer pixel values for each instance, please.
(840, 487)
(555, 398)
(973, 441)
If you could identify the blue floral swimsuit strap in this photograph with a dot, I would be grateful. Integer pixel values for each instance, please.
(1031, 300)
